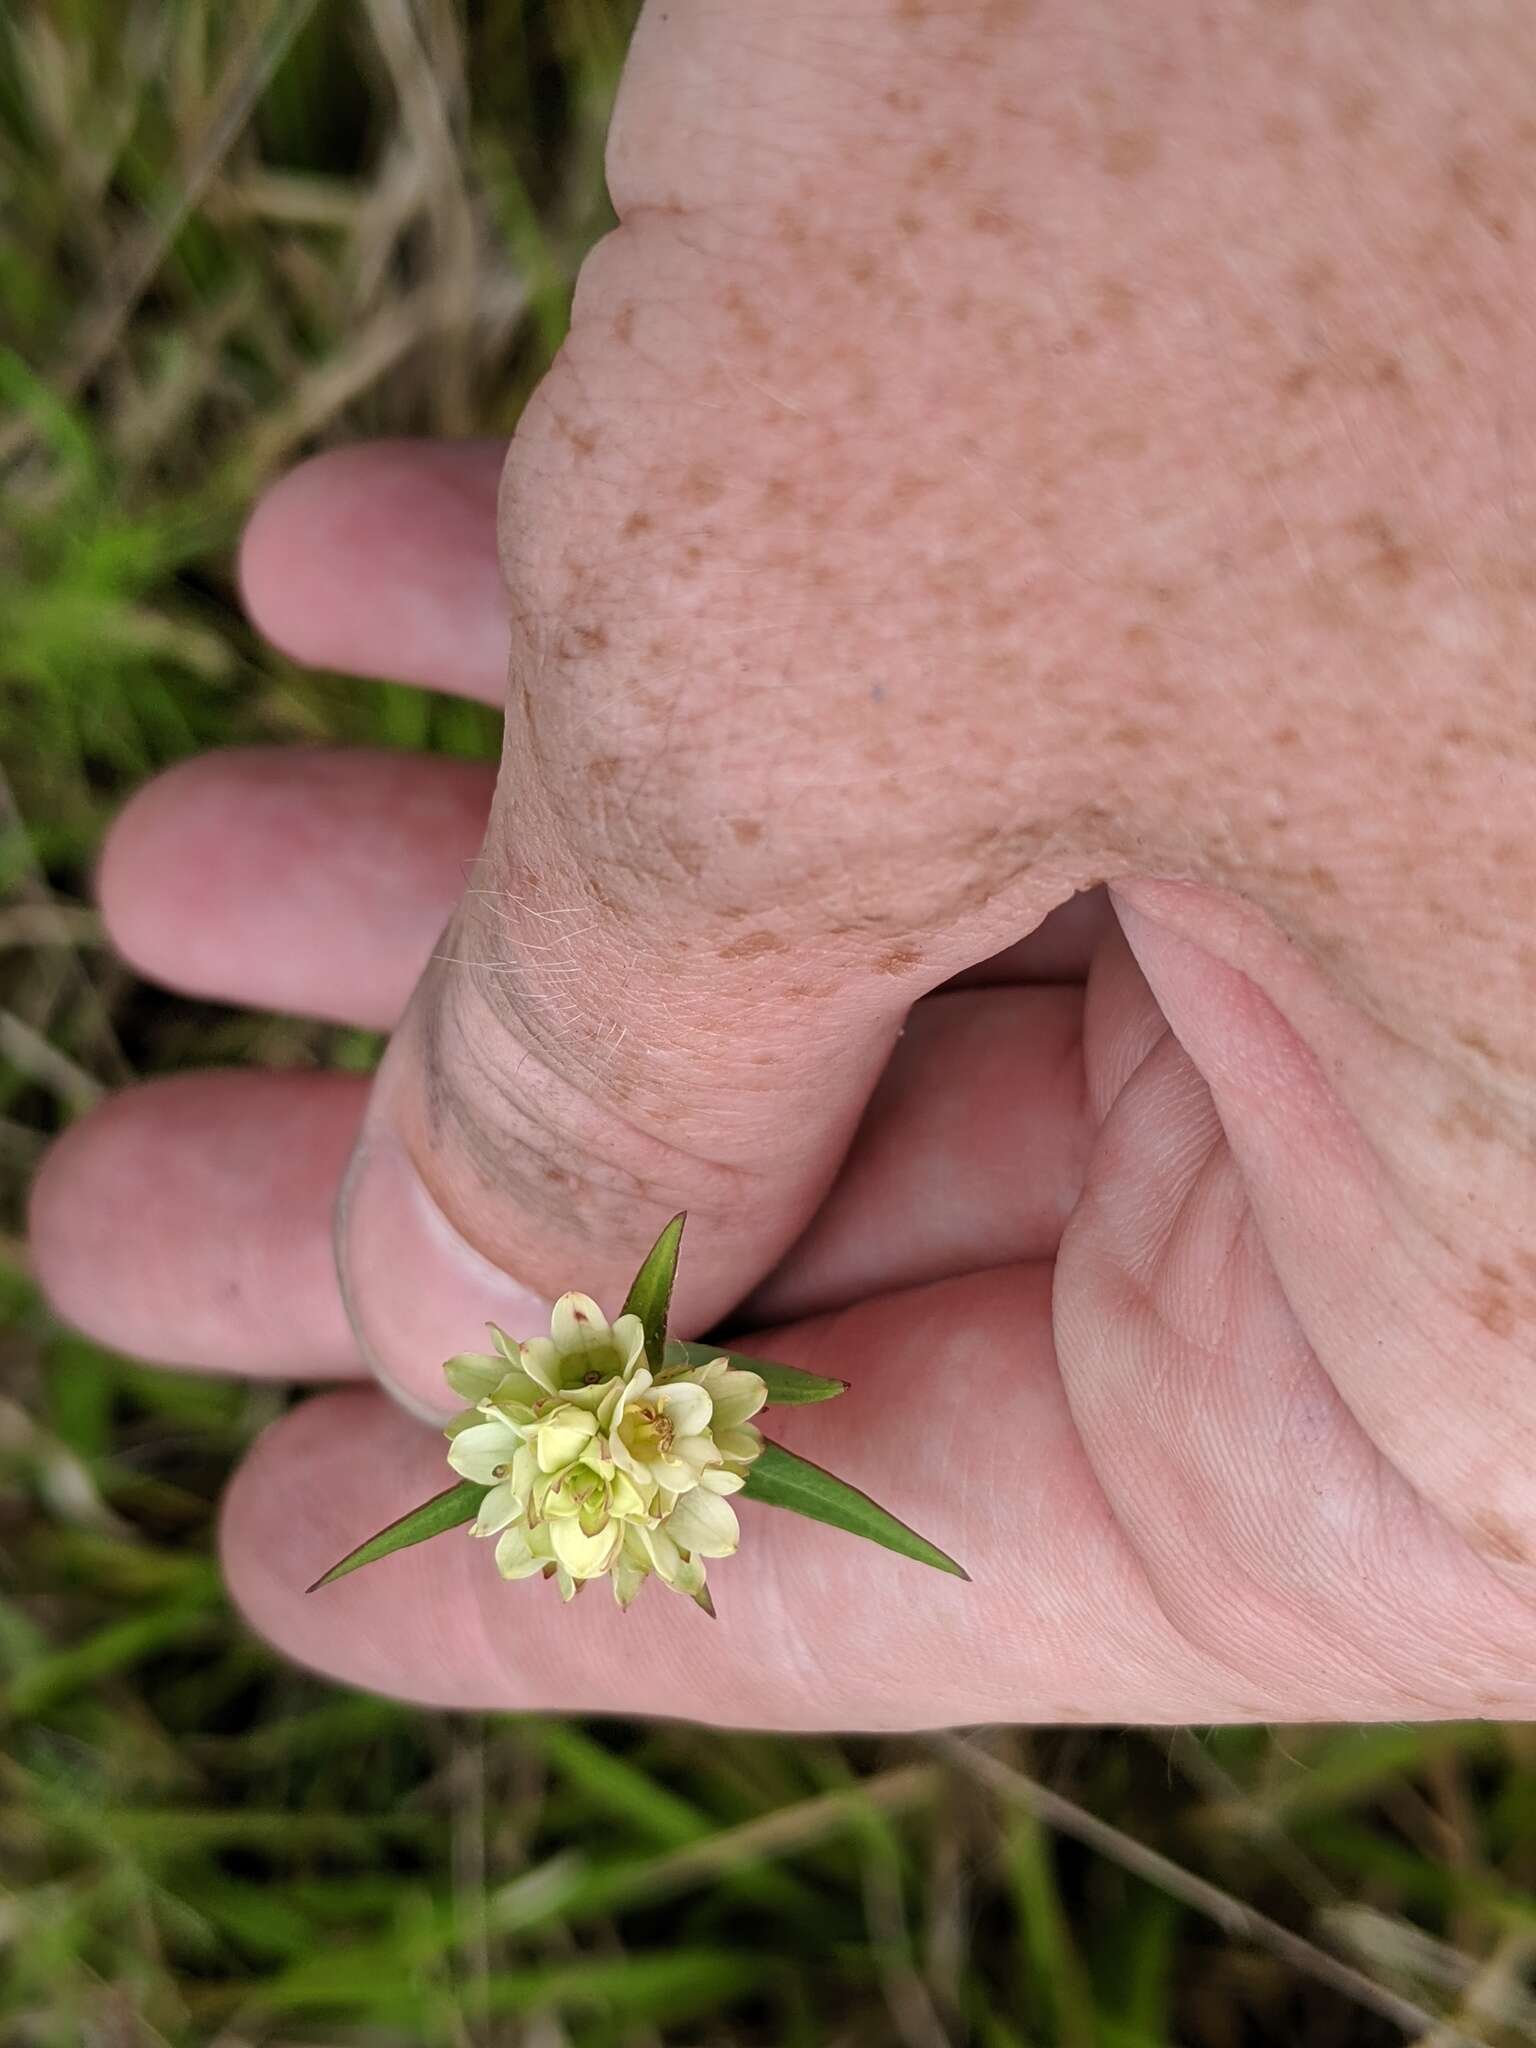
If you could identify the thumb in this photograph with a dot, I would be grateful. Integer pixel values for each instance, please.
(587, 1054)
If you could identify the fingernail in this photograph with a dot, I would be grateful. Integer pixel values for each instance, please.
(415, 1292)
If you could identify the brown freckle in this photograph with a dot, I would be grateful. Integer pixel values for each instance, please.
(1467, 175)
(1492, 1270)
(662, 648)
(624, 323)
(1130, 151)
(582, 439)
(1117, 302)
(747, 831)
(1118, 444)
(936, 165)
(1139, 635)
(1459, 736)
(861, 268)
(909, 223)
(1323, 880)
(991, 220)
(1354, 114)
(1477, 1041)
(1466, 1119)
(1281, 131)
(752, 946)
(908, 486)
(636, 524)
(1499, 1538)
(702, 485)
(1080, 339)
(793, 232)
(900, 960)
(1387, 374)
(1285, 736)
(1298, 380)
(693, 554)
(1130, 734)
(1165, 593)
(604, 768)
(1390, 561)
(902, 100)
(960, 307)
(747, 318)
(591, 639)
(1316, 278)
(1526, 1261)
(798, 991)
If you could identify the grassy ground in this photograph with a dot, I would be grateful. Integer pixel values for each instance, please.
(229, 234)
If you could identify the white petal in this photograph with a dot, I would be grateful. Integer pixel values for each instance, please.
(541, 1362)
(740, 1445)
(661, 1551)
(514, 1555)
(473, 1376)
(628, 1338)
(509, 1348)
(720, 1481)
(517, 1390)
(500, 1506)
(479, 1453)
(704, 1523)
(624, 1496)
(561, 1443)
(578, 1326)
(628, 1578)
(737, 1397)
(584, 1556)
(686, 1407)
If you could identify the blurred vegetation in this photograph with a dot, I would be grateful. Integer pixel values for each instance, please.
(229, 234)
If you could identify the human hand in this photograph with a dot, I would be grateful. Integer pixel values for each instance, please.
(987, 464)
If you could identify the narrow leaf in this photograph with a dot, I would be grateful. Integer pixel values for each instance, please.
(444, 1511)
(650, 1297)
(787, 1385)
(781, 1480)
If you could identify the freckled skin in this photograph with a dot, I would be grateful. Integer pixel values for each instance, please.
(1123, 471)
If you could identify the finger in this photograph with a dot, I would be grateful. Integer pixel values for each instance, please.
(188, 1221)
(971, 1153)
(967, 1434)
(816, 1629)
(380, 560)
(1429, 1353)
(140, 1212)
(316, 882)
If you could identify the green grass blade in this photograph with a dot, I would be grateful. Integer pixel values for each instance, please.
(650, 1294)
(447, 1510)
(787, 1386)
(781, 1480)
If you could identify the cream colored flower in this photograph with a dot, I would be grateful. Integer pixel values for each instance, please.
(583, 1350)
(660, 1435)
(593, 1466)
(734, 1398)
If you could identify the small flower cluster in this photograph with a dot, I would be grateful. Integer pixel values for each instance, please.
(597, 1466)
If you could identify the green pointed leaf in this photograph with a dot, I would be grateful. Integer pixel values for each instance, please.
(650, 1297)
(444, 1511)
(781, 1480)
(787, 1385)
